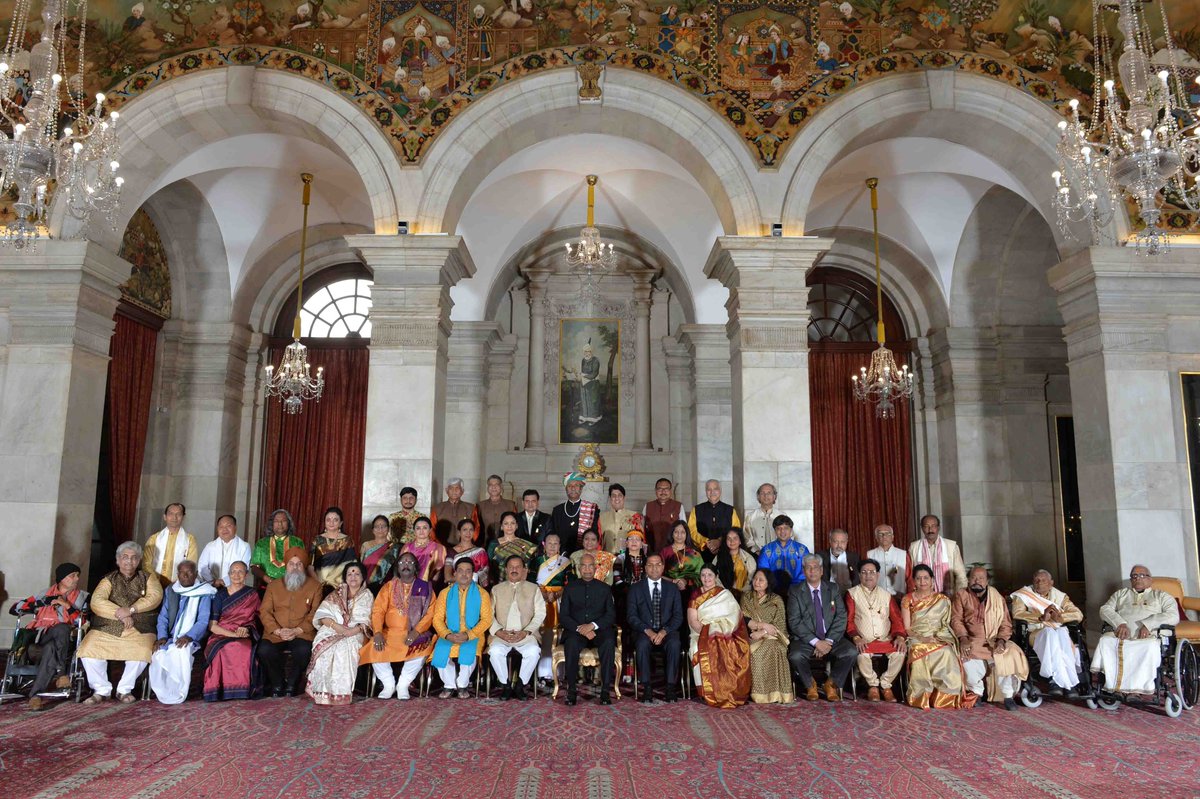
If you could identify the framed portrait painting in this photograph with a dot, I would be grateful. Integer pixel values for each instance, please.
(589, 381)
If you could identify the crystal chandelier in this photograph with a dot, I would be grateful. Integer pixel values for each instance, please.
(293, 383)
(590, 253)
(1136, 142)
(882, 382)
(52, 138)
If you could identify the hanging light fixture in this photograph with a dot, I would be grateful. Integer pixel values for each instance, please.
(882, 382)
(1140, 140)
(590, 253)
(52, 138)
(293, 383)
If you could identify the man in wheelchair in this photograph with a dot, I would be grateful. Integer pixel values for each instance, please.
(1129, 652)
(1048, 615)
(56, 615)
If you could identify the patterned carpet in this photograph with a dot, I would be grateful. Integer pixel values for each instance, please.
(536, 750)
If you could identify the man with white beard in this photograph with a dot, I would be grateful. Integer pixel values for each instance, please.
(286, 614)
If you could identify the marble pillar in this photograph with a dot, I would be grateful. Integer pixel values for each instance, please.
(768, 347)
(1131, 325)
(466, 403)
(642, 291)
(682, 413)
(501, 359)
(410, 327)
(58, 303)
(707, 347)
(535, 410)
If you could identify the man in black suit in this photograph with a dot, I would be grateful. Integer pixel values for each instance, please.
(655, 615)
(816, 619)
(840, 564)
(588, 618)
(532, 524)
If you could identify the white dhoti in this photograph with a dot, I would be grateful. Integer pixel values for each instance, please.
(1058, 656)
(976, 670)
(1129, 665)
(530, 650)
(171, 673)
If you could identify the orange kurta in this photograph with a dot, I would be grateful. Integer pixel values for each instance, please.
(391, 616)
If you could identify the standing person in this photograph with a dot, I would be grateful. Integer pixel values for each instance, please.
(760, 522)
(661, 514)
(720, 648)
(816, 614)
(230, 659)
(839, 563)
(378, 553)
(430, 555)
(170, 546)
(935, 674)
(574, 517)
(734, 564)
(56, 613)
(492, 508)
(941, 555)
(402, 521)
(222, 552)
(402, 618)
(182, 625)
(518, 614)
(892, 560)
(461, 616)
(618, 521)
(268, 562)
(710, 520)
(654, 615)
(532, 523)
(462, 545)
(507, 544)
(331, 550)
(286, 614)
(783, 557)
(446, 515)
(766, 619)
(589, 620)
(342, 621)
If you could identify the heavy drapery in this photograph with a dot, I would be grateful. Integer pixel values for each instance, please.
(130, 388)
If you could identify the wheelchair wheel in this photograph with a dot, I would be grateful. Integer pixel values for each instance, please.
(1108, 703)
(1030, 696)
(1187, 673)
(1091, 703)
(1173, 705)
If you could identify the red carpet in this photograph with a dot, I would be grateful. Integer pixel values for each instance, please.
(535, 750)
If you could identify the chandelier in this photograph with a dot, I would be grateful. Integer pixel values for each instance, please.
(882, 382)
(1140, 139)
(293, 382)
(52, 137)
(590, 253)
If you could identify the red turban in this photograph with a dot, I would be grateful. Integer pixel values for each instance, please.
(296, 552)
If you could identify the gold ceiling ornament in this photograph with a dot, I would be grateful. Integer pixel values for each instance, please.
(293, 383)
(882, 383)
(589, 82)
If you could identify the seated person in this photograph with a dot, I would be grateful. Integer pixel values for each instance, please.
(874, 626)
(720, 646)
(123, 619)
(588, 616)
(519, 612)
(462, 614)
(816, 618)
(983, 627)
(56, 612)
(655, 613)
(402, 618)
(1047, 611)
(604, 560)
(935, 674)
(182, 623)
(229, 656)
(1134, 615)
(343, 620)
(286, 614)
(766, 619)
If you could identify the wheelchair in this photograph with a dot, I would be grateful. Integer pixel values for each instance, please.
(1176, 684)
(1034, 690)
(21, 668)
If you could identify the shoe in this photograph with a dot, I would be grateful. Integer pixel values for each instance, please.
(1072, 692)
(289, 691)
(1057, 691)
(811, 693)
(276, 693)
(672, 696)
(605, 699)
(518, 692)
(1010, 704)
(872, 694)
(445, 694)
(505, 694)
(38, 703)
(404, 697)
(888, 696)
(572, 700)
(831, 692)
(62, 682)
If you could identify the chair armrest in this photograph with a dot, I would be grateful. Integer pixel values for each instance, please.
(1191, 603)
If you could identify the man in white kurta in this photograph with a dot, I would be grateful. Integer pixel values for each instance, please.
(892, 560)
(1130, 653)
(170, 546)
(182, 625)
(518, 611)
(940, 555)
(1046, 611)
(759, 528)
(222, 552)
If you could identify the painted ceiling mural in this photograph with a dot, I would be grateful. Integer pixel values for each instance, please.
(767, 67)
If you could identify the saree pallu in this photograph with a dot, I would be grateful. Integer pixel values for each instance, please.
(431, 559)
(501, 551)
(478, 556)
(720, 653)
(770, 672)
(334, 664)
(230, 664)
(330, 558)
(378, 560)
(935, 676)
(551, 577)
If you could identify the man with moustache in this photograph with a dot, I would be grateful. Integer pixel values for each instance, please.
(979, 618)
(402, 619)
(286, 615)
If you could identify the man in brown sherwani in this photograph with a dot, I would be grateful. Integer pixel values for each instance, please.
(983, 626)
(660, 516)
(446, 515)
(287, 619)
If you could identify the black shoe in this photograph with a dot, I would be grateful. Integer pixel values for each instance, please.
(647, 694)
(1056, 691)
(289, 692)
(1072, 692)
(1010, 704)
(276, 693)
(672, 696)
(606, 699)
(504, 693)
(572, 700)
(647, 699)
(518, 692)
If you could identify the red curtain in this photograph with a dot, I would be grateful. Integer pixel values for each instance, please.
(130, 388)
(862, 465)
(315, 459)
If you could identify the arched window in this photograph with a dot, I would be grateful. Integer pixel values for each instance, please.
(841, 307)
(338, 310)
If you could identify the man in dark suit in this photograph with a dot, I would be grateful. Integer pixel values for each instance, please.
(841, 565)
(816, 619)
(588, 618)
(655, 615)
(532, 524)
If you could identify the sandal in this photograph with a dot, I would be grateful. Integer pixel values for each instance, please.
(126, 699)
(446, 694)
(463, 693)
(95, 699)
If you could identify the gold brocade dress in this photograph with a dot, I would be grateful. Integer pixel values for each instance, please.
(770, 673)
(935, 676)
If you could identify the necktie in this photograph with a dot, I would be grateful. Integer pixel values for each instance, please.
(656, 608)
(819, 613)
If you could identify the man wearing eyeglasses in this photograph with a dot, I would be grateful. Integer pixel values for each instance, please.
(1129, 653)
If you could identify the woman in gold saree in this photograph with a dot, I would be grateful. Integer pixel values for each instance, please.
(935, 678)
(771, 675)
(720, 647)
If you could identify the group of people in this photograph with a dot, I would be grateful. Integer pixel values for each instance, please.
(755, 611)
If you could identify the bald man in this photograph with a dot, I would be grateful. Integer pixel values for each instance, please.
(1046, 611)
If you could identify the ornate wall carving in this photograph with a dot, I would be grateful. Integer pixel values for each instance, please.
(149, 284)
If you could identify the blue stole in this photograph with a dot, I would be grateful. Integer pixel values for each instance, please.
(467, 650)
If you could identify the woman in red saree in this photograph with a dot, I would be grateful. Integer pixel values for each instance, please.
(230, 665)
(720, 648)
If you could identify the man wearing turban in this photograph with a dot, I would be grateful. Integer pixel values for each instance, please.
(287, 618)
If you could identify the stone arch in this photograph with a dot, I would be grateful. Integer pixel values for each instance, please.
(515, 116)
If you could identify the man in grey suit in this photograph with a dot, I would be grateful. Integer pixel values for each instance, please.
(816, 618)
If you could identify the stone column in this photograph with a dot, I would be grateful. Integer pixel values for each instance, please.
(535, 420)
(466, 403)
(682, 417)
(768, 346)
(410, 326)
(500, 359)
(707, 348)
(1131, 325)
(642, 291)
(58, 302)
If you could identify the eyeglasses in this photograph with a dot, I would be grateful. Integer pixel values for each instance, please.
(1139, 576)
